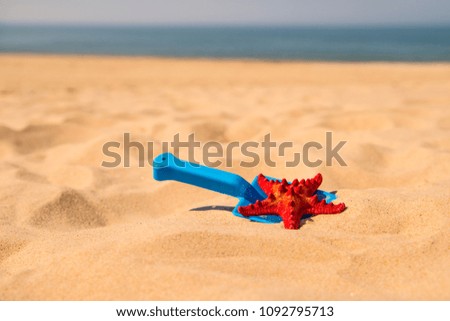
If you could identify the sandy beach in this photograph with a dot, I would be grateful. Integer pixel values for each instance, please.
(71, 229)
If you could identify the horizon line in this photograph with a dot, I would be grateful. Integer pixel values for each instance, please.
(224, 25)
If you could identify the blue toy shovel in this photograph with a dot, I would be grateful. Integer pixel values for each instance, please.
(167, 167)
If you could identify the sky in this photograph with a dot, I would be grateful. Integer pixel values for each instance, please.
(227, 12)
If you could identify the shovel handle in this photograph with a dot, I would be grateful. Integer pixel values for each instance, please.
(168, 167)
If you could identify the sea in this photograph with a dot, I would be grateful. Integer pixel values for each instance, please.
(408, 44)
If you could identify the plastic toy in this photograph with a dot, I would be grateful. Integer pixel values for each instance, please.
(305, 196)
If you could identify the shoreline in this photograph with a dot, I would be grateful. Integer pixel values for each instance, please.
(220, 59)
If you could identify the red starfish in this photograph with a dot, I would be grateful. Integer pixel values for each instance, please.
(290, 201)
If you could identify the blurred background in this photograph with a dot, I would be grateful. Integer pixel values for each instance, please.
(344, 30)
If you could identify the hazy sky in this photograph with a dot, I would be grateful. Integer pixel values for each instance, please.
(259, 12)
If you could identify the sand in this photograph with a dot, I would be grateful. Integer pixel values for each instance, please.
(71, 229)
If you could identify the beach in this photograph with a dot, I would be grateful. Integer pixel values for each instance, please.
(72, 229)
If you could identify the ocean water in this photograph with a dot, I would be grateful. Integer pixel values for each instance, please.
(270, 43)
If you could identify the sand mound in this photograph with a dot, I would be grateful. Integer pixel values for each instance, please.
(71, 210)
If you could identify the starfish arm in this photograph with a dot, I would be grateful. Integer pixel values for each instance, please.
(309, 187)
(291, 216)
(326, 208)
(265, 184)
(259, 208)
